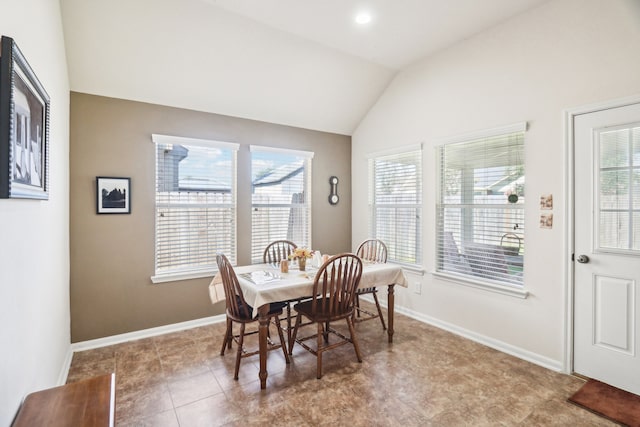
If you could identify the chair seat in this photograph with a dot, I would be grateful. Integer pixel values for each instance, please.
(320, 316)
(366, 290)
(274, 308)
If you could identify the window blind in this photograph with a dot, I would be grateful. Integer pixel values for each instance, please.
(480, 209)
(280, 198)
(195, 204)
(395, 204)
(618, 216)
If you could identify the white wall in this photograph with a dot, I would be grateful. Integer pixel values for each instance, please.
(563, 54)
(34, 235)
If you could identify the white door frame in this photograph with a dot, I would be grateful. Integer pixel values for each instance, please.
(570, 210)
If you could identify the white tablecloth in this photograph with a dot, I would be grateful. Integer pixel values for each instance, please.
(297, 284)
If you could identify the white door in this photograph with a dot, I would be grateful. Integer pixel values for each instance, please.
(607, 246)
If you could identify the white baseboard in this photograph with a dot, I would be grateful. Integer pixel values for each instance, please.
(545, 362)
(554, 365)
(64, 372)
(146, 333)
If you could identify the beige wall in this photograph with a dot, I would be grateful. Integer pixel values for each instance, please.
(112, 256)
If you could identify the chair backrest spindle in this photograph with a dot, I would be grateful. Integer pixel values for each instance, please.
(278, 250)
(373, 250)
(335, 284)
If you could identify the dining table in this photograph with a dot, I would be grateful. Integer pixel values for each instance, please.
(263, 284)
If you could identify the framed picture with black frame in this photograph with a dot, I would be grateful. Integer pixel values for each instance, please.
(24, 127)
(113, 195)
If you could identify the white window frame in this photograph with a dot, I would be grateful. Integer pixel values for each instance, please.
(210, 268)
(261, 237)
(604, 203)
(396, 238)
(458, 276)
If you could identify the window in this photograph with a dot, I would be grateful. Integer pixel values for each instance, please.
(395, 203)
(618, 194)
(280, 198)
(480, 229)
(195, 206)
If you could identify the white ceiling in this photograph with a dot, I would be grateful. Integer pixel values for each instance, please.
(400, 32)
(301, 63)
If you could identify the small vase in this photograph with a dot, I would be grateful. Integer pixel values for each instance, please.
(302, 264)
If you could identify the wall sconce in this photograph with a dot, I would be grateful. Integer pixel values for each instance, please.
(333, 195)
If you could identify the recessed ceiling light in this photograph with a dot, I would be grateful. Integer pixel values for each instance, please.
(363, 18)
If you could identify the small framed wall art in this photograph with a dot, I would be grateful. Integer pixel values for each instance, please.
(113, 195)
(24, 127)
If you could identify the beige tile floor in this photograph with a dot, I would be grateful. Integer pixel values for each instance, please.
(427, 377)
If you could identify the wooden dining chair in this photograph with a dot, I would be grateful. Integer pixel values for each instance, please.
(371, 250)
(334, 288)
(240, 312)
(278, 250)
(275, 252)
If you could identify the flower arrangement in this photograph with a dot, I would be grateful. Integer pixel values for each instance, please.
(301, 253)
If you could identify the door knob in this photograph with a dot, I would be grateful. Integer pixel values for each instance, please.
(582, 259)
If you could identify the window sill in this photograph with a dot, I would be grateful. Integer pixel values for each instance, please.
(411, 268)
(176, 277)
(511, 291)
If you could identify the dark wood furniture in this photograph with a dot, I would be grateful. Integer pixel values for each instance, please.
(298, 286)
(371, 250)
(85, 403)
(278, 250)
(242, 313)
(334, 290)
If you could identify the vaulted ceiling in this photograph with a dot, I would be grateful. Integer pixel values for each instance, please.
(303, 63)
